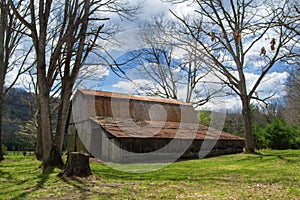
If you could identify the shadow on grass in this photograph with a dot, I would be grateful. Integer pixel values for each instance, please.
(43, 177)
(41, 180)
(76, 183)
(227, 168)
(272, 155)
(80, 185)
(10, 176)
(168, 174)
(5, 175)
(86, 187)
(288, 157)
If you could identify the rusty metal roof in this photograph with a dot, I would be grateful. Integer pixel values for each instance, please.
(181, 121)
(131, 97)
(127, 128)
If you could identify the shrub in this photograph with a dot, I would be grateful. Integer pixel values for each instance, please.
(280, 134)
(260, 137)
(277, 135)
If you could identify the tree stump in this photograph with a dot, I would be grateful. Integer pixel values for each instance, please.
(77, 165)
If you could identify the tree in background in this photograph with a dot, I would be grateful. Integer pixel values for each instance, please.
(292, 98)
(270, 130)
(282, 131)
(240, 35)
(292, 112)
(27, 135)
(11, 57)
(205, 117)
(172, 64)
(234, 123)
(277, 135)
(63, 34)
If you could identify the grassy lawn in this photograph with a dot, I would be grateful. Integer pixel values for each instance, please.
(274, 175)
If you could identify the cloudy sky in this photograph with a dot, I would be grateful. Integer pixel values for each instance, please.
(273, 83)
(104, 79)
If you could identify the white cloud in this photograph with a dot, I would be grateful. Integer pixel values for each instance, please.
(272, 83)
(131, 87)
(128, 39)
(94, 70)
(155, 7)
(90, 76)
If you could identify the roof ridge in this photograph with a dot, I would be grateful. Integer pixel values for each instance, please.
(131, 96)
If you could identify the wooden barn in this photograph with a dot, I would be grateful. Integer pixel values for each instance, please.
(122, 128)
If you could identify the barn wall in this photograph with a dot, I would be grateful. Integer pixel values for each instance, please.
(170, 152)
(83, 107)
(109, 149)
(219, 147)
(139, 110)
(105, 146)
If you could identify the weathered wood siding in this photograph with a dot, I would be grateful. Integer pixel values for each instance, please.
(177, 148)
(139, 110)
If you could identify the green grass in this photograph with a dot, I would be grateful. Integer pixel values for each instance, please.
(272, 175)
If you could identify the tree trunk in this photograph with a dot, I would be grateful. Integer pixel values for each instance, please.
(39, 146)
(39, 141)
(2, 69)
(61, 126)
(45, 128)
(51, 154)
(77, 165)
(246, 112)
(1, 106)
(44, 120)
(56, 157)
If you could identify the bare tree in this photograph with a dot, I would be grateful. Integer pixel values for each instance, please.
(11, 35)
(172, 63)
(290, 20)
(291, 16)
(63, 35)
(240, 35)
(292, 110)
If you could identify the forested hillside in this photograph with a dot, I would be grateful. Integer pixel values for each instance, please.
(19, 107)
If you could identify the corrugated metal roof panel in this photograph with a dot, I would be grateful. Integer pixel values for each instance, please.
(127, 128)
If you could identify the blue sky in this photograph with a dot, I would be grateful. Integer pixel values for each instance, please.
(105, 79)
(109, 81)
(273, 82)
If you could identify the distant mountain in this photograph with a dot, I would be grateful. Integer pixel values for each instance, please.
(18, 109)
(19, 105)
